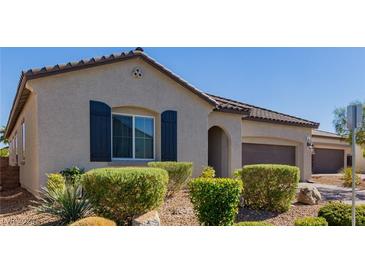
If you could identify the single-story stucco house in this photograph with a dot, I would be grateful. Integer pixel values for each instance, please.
(127, 109)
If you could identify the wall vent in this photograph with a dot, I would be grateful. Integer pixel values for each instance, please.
(137, 73)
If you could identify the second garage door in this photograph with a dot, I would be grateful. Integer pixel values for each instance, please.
(327, 160)
(267, 154)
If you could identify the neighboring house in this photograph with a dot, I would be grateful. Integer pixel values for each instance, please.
(127, 109)
(332, 153)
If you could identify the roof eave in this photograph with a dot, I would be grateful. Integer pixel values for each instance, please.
(29, 75)
(330, 137)
(21, 85)
(314, 125)
(245, 113)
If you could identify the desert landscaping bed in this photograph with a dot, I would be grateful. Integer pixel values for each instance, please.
(16, 210)
(179, 211)
(283, 219)
(335, 180)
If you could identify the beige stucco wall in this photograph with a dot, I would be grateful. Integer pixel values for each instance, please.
(63, 107)
(277, 134)
(28, 161)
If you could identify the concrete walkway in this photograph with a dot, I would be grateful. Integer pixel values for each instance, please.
(330, 193)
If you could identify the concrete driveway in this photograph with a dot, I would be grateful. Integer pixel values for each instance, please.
(331, 193)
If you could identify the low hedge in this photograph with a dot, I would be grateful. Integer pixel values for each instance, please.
(215, 200)
(122, 194)
(94, 221)
(311, 221)
(179, 174)
(339, 214)
(270, 187)
(253, 223)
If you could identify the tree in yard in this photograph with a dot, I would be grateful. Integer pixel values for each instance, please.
(4, 151)
(340, 124)
(2, 136)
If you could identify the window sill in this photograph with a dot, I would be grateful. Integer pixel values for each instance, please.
(129, 162)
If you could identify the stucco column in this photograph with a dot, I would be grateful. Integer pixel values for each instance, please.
(307, 163)
(236, 152)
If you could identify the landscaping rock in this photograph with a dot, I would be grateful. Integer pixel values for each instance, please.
(149, 219)
(309, 195)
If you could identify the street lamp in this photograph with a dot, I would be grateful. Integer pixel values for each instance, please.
(354, 122)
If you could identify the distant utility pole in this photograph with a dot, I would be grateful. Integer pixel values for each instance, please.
(354, 121)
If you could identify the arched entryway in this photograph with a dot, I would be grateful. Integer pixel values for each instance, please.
(218, 151)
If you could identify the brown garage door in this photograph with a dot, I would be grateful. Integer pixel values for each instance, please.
(327, 160)
(267, 154)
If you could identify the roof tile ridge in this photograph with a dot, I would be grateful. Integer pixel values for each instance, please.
(261, 108)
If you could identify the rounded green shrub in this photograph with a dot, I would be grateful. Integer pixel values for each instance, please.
(208, 172)
(311, 221)
(253, 223)
(270, 187)
(72, 174)
(122, 194)
(215, 200)
(94, 221)
(179, 174)
(339, 214)
(55, 181)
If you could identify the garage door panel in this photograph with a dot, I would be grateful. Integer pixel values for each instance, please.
(267, 154)
(327, 160)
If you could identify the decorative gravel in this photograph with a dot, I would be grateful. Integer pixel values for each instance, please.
(178, 211)
(279, 219)
(335, 180)
(15, 209)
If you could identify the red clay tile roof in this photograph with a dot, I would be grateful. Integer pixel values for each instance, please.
(112, 58)
(23, 94)
(260, 114)
(220, 104)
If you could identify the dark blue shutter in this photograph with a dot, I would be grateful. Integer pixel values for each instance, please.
(100, 132)
(169, 135)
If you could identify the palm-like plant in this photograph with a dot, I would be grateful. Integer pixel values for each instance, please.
(68, 204)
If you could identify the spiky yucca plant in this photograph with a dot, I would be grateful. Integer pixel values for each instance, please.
(68, 204)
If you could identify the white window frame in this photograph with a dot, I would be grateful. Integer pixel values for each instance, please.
(16, 143)
(11, 149)
(23, 139)
(16, 157)
(133, 137)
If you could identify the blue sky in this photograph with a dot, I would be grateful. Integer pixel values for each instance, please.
(305, 82)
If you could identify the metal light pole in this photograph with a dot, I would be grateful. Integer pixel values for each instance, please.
(353, 176)
(354, 121)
